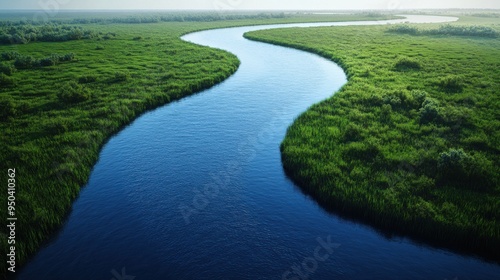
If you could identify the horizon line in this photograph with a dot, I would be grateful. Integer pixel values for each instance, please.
(235, 10)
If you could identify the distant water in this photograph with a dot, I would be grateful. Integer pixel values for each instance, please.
(331, 13)
(196, 190)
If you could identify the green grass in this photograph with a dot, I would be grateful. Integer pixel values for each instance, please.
(411, 144)
(56, 113)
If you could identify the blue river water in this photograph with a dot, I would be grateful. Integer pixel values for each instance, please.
(196, 190)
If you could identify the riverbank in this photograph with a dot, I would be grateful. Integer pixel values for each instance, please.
(410, 144)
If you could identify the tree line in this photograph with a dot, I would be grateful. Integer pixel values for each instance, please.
(49, 32)
(448, 29)
(149, 18)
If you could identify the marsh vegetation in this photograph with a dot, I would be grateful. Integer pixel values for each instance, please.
(411, 144)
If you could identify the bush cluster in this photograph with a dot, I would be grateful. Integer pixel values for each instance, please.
(460, 169)
(11, 55)
(451, 84)
(6, 81)
(429, 111)
(7, 108)
(25, 33)
(407, 64)
(465, 30)
(86, 79)
(7, 69)
(73, 92)
(453, 162)
(404, 29)
(29, 62)
(448, 29)
(121, 77)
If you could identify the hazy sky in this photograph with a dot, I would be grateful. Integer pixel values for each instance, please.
(246, 4)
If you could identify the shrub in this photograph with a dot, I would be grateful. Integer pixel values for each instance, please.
(25, 62)
(481, 173)
(73, 93)
(28, 62)
(457, 168)
(7, 69)
(137, 38)
(7, 108)
(6, 81)
(109, 36)
(465, 30)
(451, 84)
(19, 39)
(58, 126)
(456, 117)
(87, 79)
(99, 47)
(386, 112)
(67, 57)
(453, 162)
(429, 111)
(365, 151)
(404, 29)
(419, 96)
(392, 100)
(121, 77)
(374, 14)
(10, 55)
(352, 133)
(452, 167)
(407, 64)
(49, 61)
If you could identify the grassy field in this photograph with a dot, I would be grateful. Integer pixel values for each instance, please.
(411, 144)
(66, 88)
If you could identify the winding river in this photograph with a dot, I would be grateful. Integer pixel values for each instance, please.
(196, 190)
